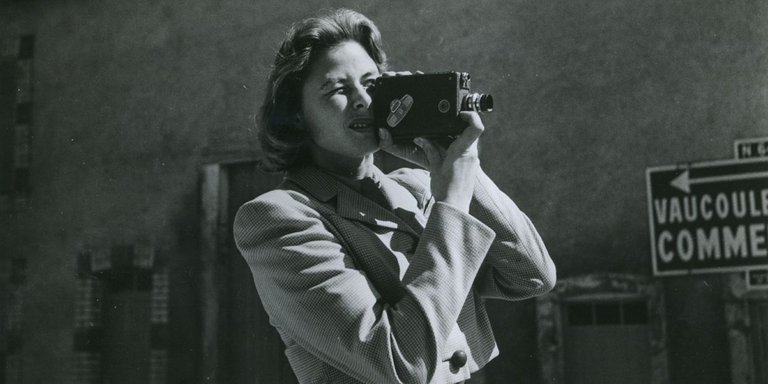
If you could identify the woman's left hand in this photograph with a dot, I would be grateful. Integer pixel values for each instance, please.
(452, 169)
(407, 151)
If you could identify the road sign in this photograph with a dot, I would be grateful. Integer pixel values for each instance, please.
(751, 148)
(709, 217)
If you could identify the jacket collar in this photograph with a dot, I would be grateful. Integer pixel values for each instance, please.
(405, 215)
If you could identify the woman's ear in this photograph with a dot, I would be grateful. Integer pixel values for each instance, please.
(299, 121)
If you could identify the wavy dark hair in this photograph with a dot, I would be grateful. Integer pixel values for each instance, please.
(283, 140)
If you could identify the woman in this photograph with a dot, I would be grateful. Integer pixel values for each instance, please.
(369, 277)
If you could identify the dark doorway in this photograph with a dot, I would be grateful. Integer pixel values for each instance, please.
(242, 346)
(607, 342)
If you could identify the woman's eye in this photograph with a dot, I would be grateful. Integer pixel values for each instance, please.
(370, 87)
(338, 91)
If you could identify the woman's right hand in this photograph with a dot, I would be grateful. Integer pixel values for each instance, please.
(453, 170)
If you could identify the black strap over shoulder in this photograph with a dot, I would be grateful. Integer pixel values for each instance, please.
(366, 250)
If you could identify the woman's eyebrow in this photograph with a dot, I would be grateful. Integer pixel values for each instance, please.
(330, 82)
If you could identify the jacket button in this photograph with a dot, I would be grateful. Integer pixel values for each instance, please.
(458, 359)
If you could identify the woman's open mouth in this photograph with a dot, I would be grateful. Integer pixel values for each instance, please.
(361, 125)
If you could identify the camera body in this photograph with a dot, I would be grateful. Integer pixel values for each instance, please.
(425, 105)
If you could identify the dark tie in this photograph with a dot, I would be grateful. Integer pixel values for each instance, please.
(370, 188)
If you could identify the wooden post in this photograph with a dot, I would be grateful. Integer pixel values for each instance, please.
(211, 198)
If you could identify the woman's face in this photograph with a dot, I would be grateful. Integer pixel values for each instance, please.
(335, 103)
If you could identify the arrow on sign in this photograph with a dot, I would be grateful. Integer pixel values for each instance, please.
(683, 182)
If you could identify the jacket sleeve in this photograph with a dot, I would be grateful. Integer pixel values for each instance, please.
(313, 292)
(517, 265)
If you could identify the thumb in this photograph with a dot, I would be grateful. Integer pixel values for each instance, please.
(434, 159)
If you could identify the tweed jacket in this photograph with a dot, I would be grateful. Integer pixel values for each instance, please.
(362, 293)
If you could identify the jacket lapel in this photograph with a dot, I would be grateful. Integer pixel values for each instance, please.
(352, 209)
(350, 204)
(403, 204)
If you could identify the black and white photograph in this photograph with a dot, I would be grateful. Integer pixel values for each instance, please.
(416, 192)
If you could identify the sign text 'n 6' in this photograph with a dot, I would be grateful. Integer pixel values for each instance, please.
(709, 216)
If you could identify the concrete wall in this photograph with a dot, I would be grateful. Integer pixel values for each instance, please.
(131, 98)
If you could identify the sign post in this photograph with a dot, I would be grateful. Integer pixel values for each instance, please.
(709, 217)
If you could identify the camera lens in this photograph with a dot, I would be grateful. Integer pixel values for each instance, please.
(478, 102)
(486, 103)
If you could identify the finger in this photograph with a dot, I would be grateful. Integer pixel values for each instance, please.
(473, 120)
(471, 133)
(434, 155)
(406, 151)
(385, 138)
(397, 73)
(409, 152)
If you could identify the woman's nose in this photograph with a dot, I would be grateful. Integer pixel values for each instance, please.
(362, 98)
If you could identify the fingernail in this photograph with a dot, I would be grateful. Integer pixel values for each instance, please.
(419, 141)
